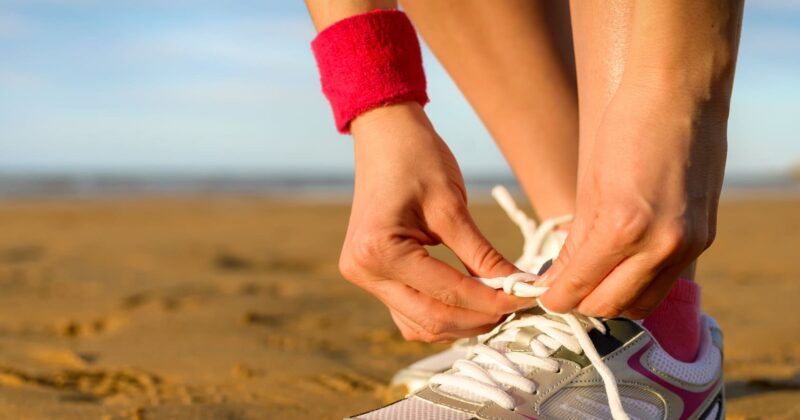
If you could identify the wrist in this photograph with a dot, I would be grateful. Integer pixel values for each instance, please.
(397, 144)
(680, 96)
(392, 123)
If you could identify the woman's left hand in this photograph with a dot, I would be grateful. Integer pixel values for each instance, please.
(647, 203)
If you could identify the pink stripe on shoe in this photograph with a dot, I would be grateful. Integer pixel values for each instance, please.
(691, 400)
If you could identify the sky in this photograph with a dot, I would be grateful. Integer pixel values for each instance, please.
(231, 86)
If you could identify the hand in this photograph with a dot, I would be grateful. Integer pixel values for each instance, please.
(646, 205)
(409, 194)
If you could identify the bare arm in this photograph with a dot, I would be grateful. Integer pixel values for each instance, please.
(409, 193)
(326, 12)
(649, 184)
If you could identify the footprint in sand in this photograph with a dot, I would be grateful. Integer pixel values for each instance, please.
(93, 383)
(345, 383)
(91, 328)
(21, 253)
(64, 357)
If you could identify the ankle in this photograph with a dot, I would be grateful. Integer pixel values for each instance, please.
(675, 323)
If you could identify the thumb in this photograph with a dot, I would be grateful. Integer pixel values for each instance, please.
(473, 249)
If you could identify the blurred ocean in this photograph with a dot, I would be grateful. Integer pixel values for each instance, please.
(327, 187)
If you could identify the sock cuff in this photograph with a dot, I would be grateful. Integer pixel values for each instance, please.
(685, 291)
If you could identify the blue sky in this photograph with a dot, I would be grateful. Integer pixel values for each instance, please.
(193, 85)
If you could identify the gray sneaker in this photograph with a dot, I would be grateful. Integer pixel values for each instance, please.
(540, 365)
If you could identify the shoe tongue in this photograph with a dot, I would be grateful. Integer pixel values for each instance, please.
(522, 340)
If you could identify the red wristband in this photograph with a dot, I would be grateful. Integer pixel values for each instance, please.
(369, 60)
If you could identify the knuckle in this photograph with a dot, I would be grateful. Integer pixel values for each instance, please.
(629, 224)
(487, 258)
(447, 296)
(435, 326)
(367, 250)
(672, 240)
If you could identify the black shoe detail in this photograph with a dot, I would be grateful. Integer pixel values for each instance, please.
(619, 332)
(718, 402)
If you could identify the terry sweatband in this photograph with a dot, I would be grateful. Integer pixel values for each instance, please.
(367, 61)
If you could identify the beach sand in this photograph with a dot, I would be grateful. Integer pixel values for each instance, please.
(233, 308)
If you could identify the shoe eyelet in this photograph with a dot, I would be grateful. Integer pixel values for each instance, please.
(559, 370)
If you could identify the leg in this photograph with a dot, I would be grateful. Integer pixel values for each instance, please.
(600, 33)
(513, 62)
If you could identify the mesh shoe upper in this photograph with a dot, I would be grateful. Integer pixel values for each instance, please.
(651, 385)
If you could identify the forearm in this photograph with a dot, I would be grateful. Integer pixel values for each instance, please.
(326, 12)
(687, 48)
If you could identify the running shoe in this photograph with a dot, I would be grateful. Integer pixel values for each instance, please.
(542, 365)
(542, 243)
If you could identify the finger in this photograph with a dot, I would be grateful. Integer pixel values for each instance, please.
(592, 261)
(621, 287)
(414, 332)
(576, 236)
(557, 266)
(664, 256)
(649, 300)
(462, 236)
(451, 287)
(434, 317)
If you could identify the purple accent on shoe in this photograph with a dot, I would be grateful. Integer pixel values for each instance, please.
(691, 400)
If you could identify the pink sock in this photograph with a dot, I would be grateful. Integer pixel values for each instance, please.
(675, 323)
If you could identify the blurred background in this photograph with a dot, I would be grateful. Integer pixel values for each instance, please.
(173, 197)
(229, 89)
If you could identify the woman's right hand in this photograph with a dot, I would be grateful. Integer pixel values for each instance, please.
(409, 193)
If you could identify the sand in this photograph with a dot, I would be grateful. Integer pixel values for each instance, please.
(233, 308)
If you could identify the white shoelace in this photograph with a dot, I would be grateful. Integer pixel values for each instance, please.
(535, 235)
(489, 373)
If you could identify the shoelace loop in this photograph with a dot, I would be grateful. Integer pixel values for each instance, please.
(489, 373)
(534, 235)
